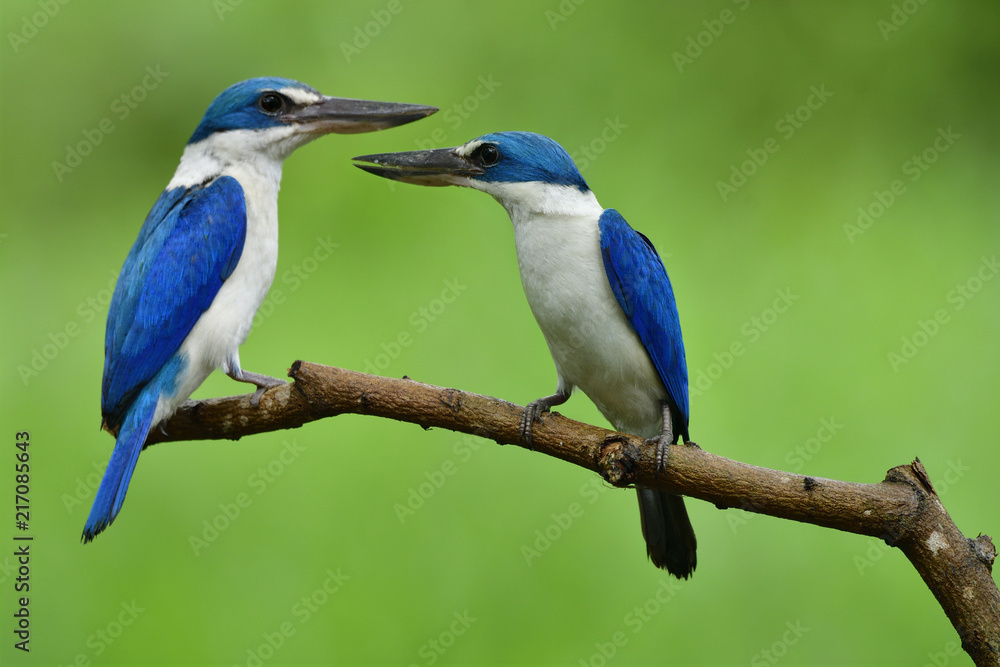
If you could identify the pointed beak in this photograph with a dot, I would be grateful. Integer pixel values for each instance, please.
(347, 116)
(443, 166)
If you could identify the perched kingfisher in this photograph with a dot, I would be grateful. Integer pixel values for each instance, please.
(599, 293)
(205, 258)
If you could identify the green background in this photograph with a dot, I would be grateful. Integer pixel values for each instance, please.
(680, 127)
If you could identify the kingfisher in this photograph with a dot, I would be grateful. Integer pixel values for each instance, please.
(600, 294)
(205, 258)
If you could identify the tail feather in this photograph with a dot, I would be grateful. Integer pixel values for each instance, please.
(114, 485)
(670, 540)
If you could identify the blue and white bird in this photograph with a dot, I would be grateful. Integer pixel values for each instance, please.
(599, 293)
(205, 259)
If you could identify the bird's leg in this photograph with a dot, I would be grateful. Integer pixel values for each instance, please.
(664, 440)
(262, 382)
(533, 412)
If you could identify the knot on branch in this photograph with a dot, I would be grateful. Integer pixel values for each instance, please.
(914, 475)
(452, 399)
(985, 550)
(618, 461)
(900, 529)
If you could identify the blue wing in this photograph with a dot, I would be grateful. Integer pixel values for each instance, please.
(189, 244)
(642, 288)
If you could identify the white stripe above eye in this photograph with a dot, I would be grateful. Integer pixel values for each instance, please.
(468, 148)
(300, 96)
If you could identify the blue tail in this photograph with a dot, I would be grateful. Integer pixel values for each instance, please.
(131, 438)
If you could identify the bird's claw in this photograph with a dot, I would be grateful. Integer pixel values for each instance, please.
(662, 451)
(263, 383)
(255, 399)
(532, 413)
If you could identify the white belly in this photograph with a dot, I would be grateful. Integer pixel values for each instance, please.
(591, 342)
(215, 338)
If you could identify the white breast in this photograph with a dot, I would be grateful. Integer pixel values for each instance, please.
(591, 342)
(215, 339)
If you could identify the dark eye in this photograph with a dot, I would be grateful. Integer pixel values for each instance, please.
(489, 154)
(271, 103)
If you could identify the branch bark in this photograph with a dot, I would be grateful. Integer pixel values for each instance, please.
(903, 509)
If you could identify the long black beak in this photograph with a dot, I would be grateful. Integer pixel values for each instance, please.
(443, 166)
(347, 116)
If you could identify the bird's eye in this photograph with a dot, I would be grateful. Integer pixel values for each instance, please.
(489, 154)
(271, 103)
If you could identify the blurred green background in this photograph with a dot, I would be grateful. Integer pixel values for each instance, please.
(659, 104)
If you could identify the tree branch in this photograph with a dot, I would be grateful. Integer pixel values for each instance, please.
(903, 509)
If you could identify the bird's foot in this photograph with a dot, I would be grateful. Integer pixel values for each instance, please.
(662, 444)
(532, 413)
(664, 440)
(255, 399)
(263, 383)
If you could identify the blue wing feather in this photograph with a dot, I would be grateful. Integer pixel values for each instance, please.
(641, 286)
(190, 243)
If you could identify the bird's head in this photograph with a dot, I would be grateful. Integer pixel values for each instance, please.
(276, 116)
(520, 169)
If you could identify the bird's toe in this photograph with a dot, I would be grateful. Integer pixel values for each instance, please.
(662, 451)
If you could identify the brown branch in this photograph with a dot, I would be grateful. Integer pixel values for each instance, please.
(903, 509)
